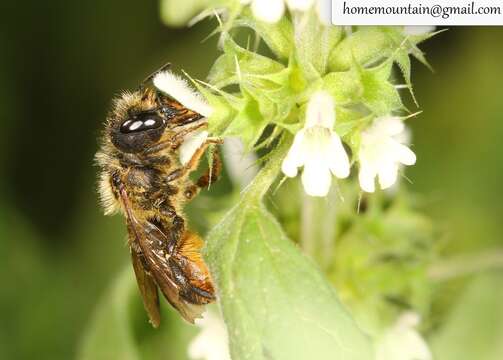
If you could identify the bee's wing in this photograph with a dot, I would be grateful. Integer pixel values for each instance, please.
(148, 288)
(158, 264)
(146, 235)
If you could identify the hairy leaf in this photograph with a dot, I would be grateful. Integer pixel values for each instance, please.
(277, 36)
(275, 301)
(238, 65)
(368, 44)
(313, 44)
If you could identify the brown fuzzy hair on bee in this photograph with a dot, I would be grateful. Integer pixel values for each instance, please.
(142, 177)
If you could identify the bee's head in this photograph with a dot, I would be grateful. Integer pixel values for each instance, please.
(138, 131)
(139, 121)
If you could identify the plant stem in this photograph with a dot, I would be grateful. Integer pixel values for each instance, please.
(328, 226)
(308, 232)
(466, 264)
(266, 176)
(318, 226)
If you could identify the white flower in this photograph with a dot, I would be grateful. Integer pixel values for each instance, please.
(318, 148)
(402, 341)
(241, 165)
(271, 11)
(418, 29)
(212, 341)
(324, 10)
(179, 89)
(381, 153)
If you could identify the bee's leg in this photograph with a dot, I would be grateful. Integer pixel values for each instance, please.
(176, 228)
(194, 160)
(190, 271)
(213, 173)
(196, 157)
(155, 160)
(188, 291)
(173, 143)
(209, 177)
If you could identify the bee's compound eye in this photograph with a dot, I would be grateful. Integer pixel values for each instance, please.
(142, 122)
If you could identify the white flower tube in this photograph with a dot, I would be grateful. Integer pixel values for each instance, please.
(271, 11)
(402, 341)
(324, 10)
(300, 5)
(241, 165)
(318, 148)
(381, 153)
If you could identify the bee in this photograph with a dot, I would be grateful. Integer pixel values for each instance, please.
(143, 178)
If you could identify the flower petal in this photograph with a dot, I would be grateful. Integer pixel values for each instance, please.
(212, 341)
(324, 10)
(388, 125)
(320, 111)
(337, 159)
(179, 89)
(402, 342)
(316, 179)
(269, 11)
(387, 174)
(295, 157)
(403, 154)
(301, 5)
(418, 29)
(366, 177)
(241, 165)
(190, 145)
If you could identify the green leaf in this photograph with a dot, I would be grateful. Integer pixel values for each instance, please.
(110, 335)
(379, 95)
(402, 59)
(248, 123)
(345, 87)
(474, 329)
(277, 36)
(313, 44)
(365, 46)
(225, 107)
(370, 87)
(238, 65)
(178, 13)
(370, 44)
(119, 329)
(275, 301)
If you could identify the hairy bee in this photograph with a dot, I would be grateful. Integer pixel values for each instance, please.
(142, 177)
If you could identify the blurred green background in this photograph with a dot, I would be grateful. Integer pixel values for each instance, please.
(61, 64)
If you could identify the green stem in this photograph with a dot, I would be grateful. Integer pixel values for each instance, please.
(328, 228)
(466, 264)
(266, 176)
(318, 226)
(308, 232)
